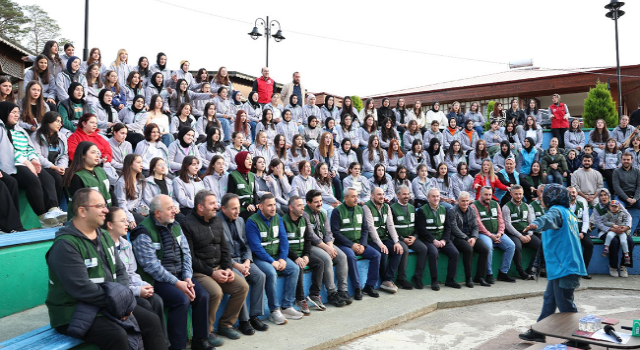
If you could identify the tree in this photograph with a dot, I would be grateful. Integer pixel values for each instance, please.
(357, 102)
(11, 20)
(490, 107)
(599, 105)
(62, 41)
(41, 27)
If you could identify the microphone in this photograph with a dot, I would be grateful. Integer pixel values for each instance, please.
(612, 332)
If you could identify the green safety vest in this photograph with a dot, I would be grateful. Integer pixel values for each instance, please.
(295, 233)
(379, 218)
(351, 222)
(519, 215)
(435, 222)
(600, 209)
(318, 227)
(579, 211)
(404, 219)
(244, 189)
(269, 235)
(489, 218)
(537, 208)
(176, 231)
(100, 183)
(60, 303)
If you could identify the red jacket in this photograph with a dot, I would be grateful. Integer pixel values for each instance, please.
(482, 181)
(265, 89)
(79, 135)
(558, 120)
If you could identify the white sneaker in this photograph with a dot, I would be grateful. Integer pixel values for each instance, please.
(49, 219)
(61, 216)
(623, 272)
(614, 272)
(277, 317)
(292, 313)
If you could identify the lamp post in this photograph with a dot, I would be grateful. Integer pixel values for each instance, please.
(85, 51)
(615, 13)
(255, 34)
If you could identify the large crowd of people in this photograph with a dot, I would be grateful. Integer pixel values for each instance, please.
(219, 193)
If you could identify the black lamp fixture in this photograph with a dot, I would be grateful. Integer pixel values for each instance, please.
(615, 13)
(255, 33)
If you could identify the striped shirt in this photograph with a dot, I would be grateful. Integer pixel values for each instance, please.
(22, 149)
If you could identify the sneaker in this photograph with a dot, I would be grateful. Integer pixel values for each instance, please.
(388, 287)
(303, 307)
(627, 259)
(344, 295)
(613, 272)
(60, 215)
(370, 291)
(246, 328)
(357, 294)
(623, 272)
(532, 335)
(277, 317)
(228, 332)
(316, 302)
(292, 313)
(214, 340)
(605, 252)
(48, 220)
(336, 300)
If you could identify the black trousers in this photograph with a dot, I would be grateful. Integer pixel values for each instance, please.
(614, 249)
(134, 138)
(10, 209)
(316, 265)
(107, 334)
(587, 249)
(419, 248)
(57, 179)
(608, 177)
(534, 244)
(41, 191)
(432, 254)
(467, 256)
(155, 305)
(559, 133)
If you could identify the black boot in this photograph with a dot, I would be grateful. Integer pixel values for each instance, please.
(505, 278)
(469, 283)
(490, 279)
(481, 281)
(417, 282)
(532, 335)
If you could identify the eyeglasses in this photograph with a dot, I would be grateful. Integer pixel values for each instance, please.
(98, 206)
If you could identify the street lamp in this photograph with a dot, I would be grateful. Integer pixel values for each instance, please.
(255, 33)
(615, 13)
(85, 51)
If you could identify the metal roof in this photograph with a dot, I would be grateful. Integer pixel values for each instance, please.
(15, 45)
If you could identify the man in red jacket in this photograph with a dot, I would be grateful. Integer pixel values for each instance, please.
(265, 87)
(559, 114)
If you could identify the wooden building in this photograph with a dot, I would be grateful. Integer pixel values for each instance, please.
(11, 64)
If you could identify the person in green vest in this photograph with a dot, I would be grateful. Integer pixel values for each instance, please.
(81, 258)
(538, 268)
(581, 211)
(434, 232)
(517, 215)
(243, 183)
(382, 231)
(164, 260)
(351, 236)
(491, 227)
(271, 255)
(404, 219)
(85, 172)
(299, 233)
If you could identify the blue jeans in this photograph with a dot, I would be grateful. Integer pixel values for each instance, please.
(505, 244)
(479, 130)
(374, 264)
(446, 205)
(389, 262)
(559, 294)
(225, 128)
(253, 130)
(368, 174)
(271, 285)
(554, 177)
(167, 139)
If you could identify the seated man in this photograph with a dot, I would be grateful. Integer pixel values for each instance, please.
(464, 230)
(323, 248)
(582, 214)
(434, 232)
(383, 233)
(491, 227)
(164, 260)
(350, 231)
(517, 215)
(404, 220)
(587, 181)
(78, 264)
(212, 265)
(233, 226)
(264, 230)
(299, 233)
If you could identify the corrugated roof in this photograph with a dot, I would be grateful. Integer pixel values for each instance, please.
(16, 46)
(510, 75)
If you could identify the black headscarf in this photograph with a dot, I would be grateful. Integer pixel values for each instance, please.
(326, 102)
(160, 54)
(183, 131)
(5, 109)
(253, 104)
(70, 91)
(383, 108)
(291, 100)
(233, 97)
(133, 105)
(69, 62)
(153, 81)
(309, 119)
(508, 153)
(531, 144)
(107, 107)
(433, 105)
(555, 194)
(432, 153)
(344, 140)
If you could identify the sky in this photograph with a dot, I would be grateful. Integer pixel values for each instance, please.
(555, 34)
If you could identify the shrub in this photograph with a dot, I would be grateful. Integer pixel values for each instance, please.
(599, 105)
(357, 102)
(490, 106)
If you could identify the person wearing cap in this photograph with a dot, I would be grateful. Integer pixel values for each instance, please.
(517, 215)
(265, 87)
(563, 255)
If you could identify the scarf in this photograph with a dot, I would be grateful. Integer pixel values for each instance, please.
(160, 54)
(233, 97)
(452, 130)
(253, 104)
(153, 81)
(70, 91)
(5, 109)
(69, 62)
(531, 144)
(469, 134)
(183, 131)
(133, 105)
(241, 157)
(505, 155)
(326, 103)
(106, 106)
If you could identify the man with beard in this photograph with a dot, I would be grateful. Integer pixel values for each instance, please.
(517, 215)
(626, 184)
(587, 181)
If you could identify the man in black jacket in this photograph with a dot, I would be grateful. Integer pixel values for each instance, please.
(212, 265)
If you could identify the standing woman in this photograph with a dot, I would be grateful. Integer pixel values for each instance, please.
(478, 155)
(387, 133)
(111, 83)
(161, 67)
(42, 73)
(266, 125)
(159, 115)
(187, 183)
(310, 109)
(329, 109)
(6, 90)
(414, 158)
(129, 189)
(478, 119)
(182, 95)
(372, 155)
(532, 130)
(121, 66)
(151, 148)
(224, 111)
(369, 128)
(287, 127)
(50, 51)
(421, 186)
(215, 178)
(254, 112)
(528, 155)
(402, 117)
(574, 137)
(212, 147)
(243, 183)
(208, 121)
(183, 146)
(326, 153)
(297, 153)
(52, 149)
(221, 80)
(454, 156)
(95, 57)
(436, 114)
(487, 177)
(456, 113)
(346, 156)
(156, 86)
(135, 118)
(442, 181)
(120, 147)
(144, 70)
(325, 183)
(236, 146)
(279, 184)
(73, 107)
(461, 180)
(241, 125)
(434, 155)
(359, 182)
(417, 114)
(32, 107)
(133, 88)
(386, 113)
(347, 129)
(598, 137)
(468, 137)
(94, 84)
(559, 114)
(395, 155)
(610, 161)
(85, 171)
(184, 119)
(68, 76)
(369, 109)
(383, 180)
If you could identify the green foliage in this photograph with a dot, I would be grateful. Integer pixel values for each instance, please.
(62, 41)
(357, 102)
(41, 27)
(599, 105)
(490, 107)
(12, 19)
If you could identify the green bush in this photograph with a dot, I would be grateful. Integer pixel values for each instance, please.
(490, 107)
(357, 102)
(599, 105)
